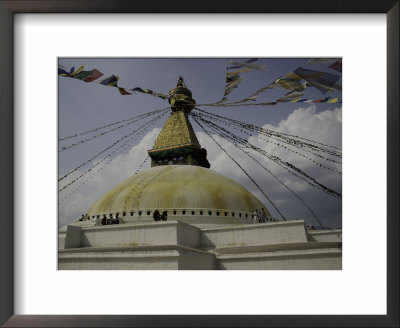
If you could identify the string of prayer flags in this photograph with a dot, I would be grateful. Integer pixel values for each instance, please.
(286, 165)
(273, 175)
(150, 92)
(139, 130)
(279, 143)
(287, 138)
(95, 75)
(253, 96)
(233, 159)
(112, 124)
(272, 103)
(321, 80)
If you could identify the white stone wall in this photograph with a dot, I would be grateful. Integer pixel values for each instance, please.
(315, 259)
(325, 235)
(255, 234)
(152, 233)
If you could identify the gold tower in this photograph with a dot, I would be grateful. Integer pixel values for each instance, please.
(177, 143)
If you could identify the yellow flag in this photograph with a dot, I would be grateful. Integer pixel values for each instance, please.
(244, 70)
(332, 101)
(77, 71)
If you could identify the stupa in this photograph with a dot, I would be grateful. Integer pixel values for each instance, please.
(209, 222)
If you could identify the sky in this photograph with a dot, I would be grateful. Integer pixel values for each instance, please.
(84, 106)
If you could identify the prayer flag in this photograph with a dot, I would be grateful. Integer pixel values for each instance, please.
(83, 74)
(94, 76)
(321, 80)
(123, 92)
(293, 94)
(332, 101)
(110, 81)
(73, 73)
(62, 71)
(292, 82)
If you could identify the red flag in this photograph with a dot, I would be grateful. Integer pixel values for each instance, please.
(94, 76)
(123, 92)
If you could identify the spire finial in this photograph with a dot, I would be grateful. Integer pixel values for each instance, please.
(180, 97)
(180, 83)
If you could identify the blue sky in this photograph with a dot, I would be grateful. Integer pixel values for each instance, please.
(83, 106)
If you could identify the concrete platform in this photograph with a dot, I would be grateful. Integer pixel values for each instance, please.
(176, 245)
(160, 257)
(286, 256)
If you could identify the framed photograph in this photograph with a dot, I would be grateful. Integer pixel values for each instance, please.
(118, 63)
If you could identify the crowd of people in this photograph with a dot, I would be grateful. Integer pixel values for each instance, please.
(258, 217)
(111, 220)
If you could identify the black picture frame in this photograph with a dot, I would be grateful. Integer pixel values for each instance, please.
(10, 7)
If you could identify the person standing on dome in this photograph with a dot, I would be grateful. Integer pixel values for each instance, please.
(164, 216)
(255, 216)
(156, 215)
(264, 215)
(104, 220)
(259, 216)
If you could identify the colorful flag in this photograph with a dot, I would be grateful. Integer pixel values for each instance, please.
(73, 73)
(321, 80)
(292, 81)
(83, 74)
(332, 101)
(244, 70)
(123, 92)
(63, 72)
(94, 76)
(293, 94)
(110, 81)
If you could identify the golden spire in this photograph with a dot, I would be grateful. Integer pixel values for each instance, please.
(180, 97)
(177, 143)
